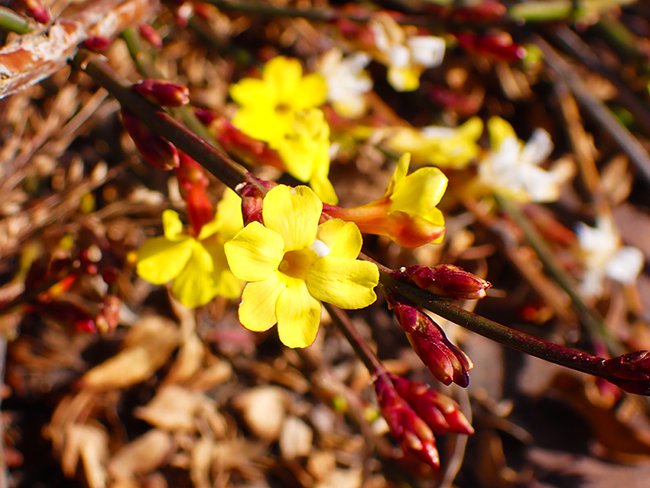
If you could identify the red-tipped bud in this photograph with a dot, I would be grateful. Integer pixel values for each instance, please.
(445, 280)
(447, 362)
(497, 46)
(189, 172)
(37, 11)
(205, 115)
(97, 44)
(250, 150)
(149, 34)
(109, 314)
(439, 411)
(164, 93)
(413, 434)
(252, 200)
(630, 372)
(157, 151)
(194, 183)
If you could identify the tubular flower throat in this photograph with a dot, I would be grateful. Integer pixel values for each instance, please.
(407, 213)
(292, 263)
(197, 266)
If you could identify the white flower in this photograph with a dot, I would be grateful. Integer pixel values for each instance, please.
(603, 257)
(406, 57)
(347, 82)
(513, 167)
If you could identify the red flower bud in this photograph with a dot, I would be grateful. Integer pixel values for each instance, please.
(630, 372)
(164, 93)
(248, 149)
(149, 34)
(157, 151)
(413, 434)
(252, 200)
(97, 44)
(497, 46)
(37, 11)
(109, 314)
(439, 411)
(445, 280)
(447, 362)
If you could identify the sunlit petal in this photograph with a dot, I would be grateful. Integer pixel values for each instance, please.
(195, 285)
(161, 260)
(257, 310)
(420, 191)
(298, 316)
(342, 238)
(311, 92)
(172, 225)
(252, 92)
(293, 213)
(399, 174)
(343, 282)
(254, 253)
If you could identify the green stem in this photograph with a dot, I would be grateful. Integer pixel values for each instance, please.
(10, 21)
(213, 159)
(591, 320)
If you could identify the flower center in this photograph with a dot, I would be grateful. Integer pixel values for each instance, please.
(296, 264)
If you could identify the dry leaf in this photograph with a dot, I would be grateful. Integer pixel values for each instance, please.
(263, 409)
(147, 346)
(174, 408)
(188, 360)
(296, 438)
(90, 443)
(142, 456)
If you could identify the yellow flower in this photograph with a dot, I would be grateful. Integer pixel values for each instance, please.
(268, 105)
(405, 56)
(292, 264)
(446, 147)
(407, 213)
(513, 167)
(305, 152)
(197, 266)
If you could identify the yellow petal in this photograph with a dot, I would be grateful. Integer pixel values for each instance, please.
(346, 283)
(283, 76)
(172, 225)
(254, 253)
(311, 92)
(399, 174)
(227, 284)
(499, 131)
(298, 316)
(252, 92)
(405, 78)
(324, 189)
(293, 213)
(257, 310)
(228, 217)
(161, 260)
(195, 285)
(342, 238)
(419, 192)
(262, 124)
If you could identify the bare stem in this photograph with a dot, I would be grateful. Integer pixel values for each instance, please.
(213, 159)
(13, 22)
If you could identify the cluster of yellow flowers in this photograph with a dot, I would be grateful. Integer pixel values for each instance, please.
(305, 249)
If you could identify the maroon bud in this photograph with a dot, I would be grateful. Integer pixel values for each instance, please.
(97, 44)
(413, 434)
(157, 151)
(37, 11)
(149, 34)
(497, 46)
(163, 93)
(445, 280)
(205, 115)
(445, 361)
(630, 372)
(439, 411)
(252, 199)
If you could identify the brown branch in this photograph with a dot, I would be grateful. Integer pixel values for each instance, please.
(33, 57)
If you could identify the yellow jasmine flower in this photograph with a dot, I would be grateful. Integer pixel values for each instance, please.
(407, 213)
(447, 147)
(605, 257)
(347, 81)
(268, 105)
(305, 152)
(197, 266)
(292, 263)
(405, 56)
(512, 167)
